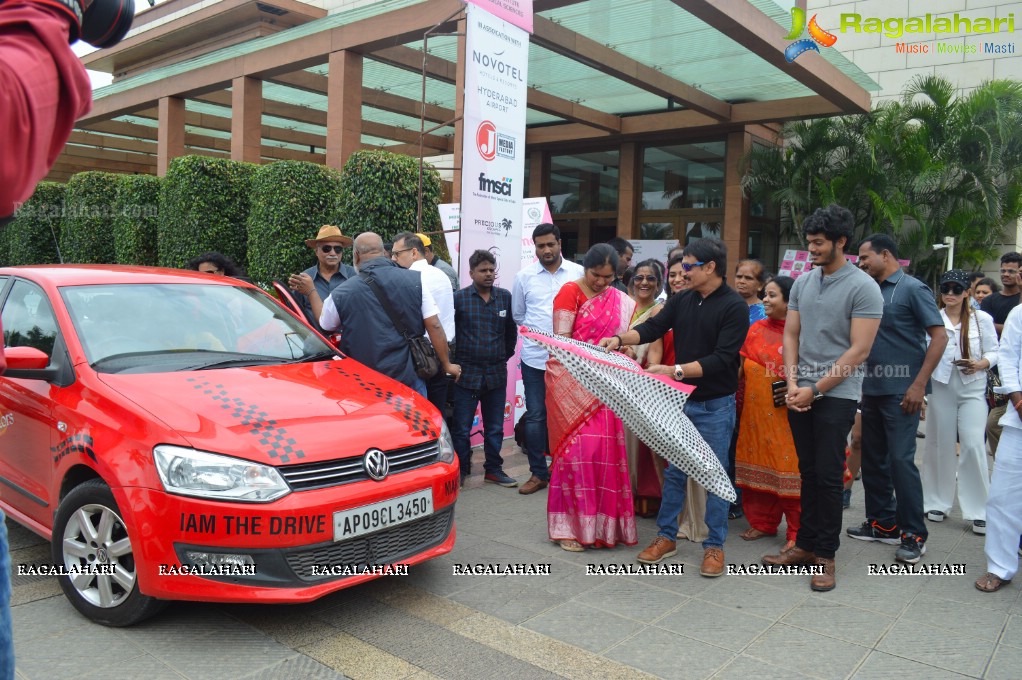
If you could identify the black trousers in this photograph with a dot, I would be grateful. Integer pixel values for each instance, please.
(820, 436)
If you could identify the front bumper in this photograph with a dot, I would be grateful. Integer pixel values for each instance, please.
(290, 540)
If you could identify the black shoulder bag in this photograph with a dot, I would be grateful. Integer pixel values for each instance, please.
(423, 355)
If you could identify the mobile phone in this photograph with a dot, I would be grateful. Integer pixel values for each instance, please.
(960, 362)
(777, 385)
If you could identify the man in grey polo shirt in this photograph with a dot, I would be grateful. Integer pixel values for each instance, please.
(897, 376)
(834, 311)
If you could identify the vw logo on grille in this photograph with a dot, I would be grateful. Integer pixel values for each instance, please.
(376, 464)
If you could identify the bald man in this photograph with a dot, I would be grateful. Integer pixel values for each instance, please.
(367, 333)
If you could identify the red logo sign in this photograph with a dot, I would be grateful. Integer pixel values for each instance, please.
(486, 140)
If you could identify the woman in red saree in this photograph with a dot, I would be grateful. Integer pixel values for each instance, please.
(590, 498)
(766, 465)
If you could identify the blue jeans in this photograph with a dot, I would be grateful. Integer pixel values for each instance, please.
(492, 409)
(715, 420)
(536, 436)
(890, 478)
(6, 635)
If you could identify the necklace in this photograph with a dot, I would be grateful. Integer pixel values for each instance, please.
(893, 291)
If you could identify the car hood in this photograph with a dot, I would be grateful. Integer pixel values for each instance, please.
(284, 414)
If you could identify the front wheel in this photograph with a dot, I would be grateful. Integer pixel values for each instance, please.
(92, 543)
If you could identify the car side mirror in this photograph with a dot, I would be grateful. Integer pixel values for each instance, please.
(28, 363)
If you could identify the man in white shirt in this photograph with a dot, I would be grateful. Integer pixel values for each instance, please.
(532, 304)
(410, 253)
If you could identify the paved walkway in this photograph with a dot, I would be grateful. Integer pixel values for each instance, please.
(568, 624)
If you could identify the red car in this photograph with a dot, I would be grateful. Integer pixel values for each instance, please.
(181, 436)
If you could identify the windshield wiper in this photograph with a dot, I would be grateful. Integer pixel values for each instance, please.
(236, 360)
(319, 356)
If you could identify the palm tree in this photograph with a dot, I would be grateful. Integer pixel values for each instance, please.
(928, 166)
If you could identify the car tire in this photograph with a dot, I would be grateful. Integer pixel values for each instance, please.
(89, 531)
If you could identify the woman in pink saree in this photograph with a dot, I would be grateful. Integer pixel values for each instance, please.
(590, 498)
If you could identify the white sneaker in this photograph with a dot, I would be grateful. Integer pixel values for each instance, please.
(935, 516)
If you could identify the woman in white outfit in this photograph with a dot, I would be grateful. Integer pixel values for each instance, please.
(1004, 505)
(957, 409)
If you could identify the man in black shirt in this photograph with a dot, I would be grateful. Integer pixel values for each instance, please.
(625, 251)
(710, 321)
(487, 335)
(998, 305)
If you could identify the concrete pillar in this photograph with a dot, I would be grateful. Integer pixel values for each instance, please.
(246, 119)
(170, 136)
(344, 107)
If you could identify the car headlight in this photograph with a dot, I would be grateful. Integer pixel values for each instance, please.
(446, 454)
(208, 475)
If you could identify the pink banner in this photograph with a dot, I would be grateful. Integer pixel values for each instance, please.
(517, 12)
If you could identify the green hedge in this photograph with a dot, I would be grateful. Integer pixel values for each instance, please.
(291, 200)
(135, 217)
(380, 193)
(86, 235)
(32, 236)
(204, 205)
(5, 256)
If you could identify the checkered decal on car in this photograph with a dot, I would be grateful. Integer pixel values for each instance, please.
(274, 439)
(78, 443)
(403, 406)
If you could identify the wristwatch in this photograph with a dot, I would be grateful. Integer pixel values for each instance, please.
(679, 372)
(817, 394)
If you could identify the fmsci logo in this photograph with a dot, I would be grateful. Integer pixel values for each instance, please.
(816, 35)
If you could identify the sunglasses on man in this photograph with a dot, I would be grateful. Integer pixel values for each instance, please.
(336, 249)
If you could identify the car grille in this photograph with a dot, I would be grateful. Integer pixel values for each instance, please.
(381, 548)
(306, 476)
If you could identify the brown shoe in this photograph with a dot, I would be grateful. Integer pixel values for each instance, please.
(713, 562)
(791, 557)
(659, 549)
(533, 485)
(827, 580)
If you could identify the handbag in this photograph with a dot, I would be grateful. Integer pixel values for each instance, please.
(424, 357)
(993, 378)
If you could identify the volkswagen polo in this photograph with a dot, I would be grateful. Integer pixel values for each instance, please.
(179, 436)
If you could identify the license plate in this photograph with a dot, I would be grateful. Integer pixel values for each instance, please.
(388, 513)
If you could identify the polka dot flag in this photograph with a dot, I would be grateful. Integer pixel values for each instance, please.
(650, 405)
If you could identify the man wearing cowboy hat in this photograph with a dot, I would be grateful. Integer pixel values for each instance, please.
(315, 284)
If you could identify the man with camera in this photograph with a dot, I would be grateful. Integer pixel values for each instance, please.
(44, 89)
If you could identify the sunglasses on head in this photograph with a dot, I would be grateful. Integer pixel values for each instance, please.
(336, 249)
(952, 289)
(689, 266)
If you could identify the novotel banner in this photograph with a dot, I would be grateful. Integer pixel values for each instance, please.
(493, 150)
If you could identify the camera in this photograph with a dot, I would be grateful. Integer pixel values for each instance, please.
(106, 22)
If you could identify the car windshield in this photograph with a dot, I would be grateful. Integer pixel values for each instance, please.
(149, 328)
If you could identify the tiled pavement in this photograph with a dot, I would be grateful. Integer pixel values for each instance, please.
(568, 624)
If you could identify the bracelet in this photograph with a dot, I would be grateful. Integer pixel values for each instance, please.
(620, 343)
